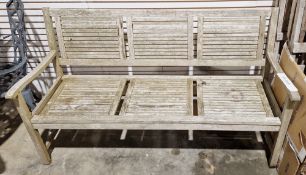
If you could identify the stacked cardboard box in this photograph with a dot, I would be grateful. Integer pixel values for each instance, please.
(294, 150)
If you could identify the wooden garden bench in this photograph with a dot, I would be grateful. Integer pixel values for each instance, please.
(159, 37)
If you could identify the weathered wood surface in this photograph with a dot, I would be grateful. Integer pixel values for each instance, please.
(168, 37)
(160, 12)
(89, 102)
(89, 96)
(234, 98)
(159, 37)
(245, 35)
(98, 38)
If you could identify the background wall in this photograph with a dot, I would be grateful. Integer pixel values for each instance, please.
(37, 39)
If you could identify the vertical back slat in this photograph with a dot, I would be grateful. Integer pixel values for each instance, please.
(261, 37)
(199, 38)
(272, 31)
(190, 37)
(130, 37)
(60, 38)
(121, 39)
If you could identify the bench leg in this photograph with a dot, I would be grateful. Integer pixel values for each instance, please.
(39, 145)
(26, 116)
(285, 119)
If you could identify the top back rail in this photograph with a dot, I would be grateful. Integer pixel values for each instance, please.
(163, 37)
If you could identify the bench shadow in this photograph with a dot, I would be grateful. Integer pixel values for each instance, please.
(9, 120)
(2, 165)
(152, 139)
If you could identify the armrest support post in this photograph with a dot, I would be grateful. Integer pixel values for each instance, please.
(292, 91)
(285, 120)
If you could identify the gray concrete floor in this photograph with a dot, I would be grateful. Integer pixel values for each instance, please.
(149, 152)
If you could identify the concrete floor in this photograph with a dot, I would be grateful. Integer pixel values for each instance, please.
(149, 152)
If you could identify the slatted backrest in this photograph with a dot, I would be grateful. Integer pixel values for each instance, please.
(160, 37)
(164, 37)
(90, 38)
(231, 37)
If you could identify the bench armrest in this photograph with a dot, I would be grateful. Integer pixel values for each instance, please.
(22, 83)
(292, 91)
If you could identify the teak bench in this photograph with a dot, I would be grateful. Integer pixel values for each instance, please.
(159, 37)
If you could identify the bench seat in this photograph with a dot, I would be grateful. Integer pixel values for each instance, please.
(159, 102)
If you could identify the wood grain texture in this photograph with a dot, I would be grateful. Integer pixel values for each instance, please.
(26, 116)
(149, 99)
(158, 37)
(234, 98)
(100, 38)
(285, 120)
(163, 36)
